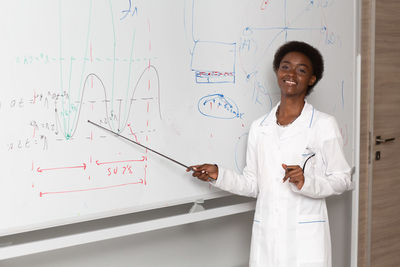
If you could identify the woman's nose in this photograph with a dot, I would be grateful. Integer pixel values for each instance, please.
(291, 72)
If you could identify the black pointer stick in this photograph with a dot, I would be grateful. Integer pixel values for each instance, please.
(158, 153)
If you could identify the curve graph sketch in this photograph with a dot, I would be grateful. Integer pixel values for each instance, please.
(121, 124)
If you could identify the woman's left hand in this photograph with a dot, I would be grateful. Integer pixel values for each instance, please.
(295, 175)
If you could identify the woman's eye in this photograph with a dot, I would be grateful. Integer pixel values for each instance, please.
(284, 67)
(302, 71)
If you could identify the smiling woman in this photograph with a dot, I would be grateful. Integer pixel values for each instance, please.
(298, 67)
(295, 74)
(290, 217)
(309, 53)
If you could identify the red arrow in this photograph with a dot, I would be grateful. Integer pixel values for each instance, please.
(120, 161)
(41, 194)
(60, 168)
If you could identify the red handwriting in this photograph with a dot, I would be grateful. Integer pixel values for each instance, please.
(83, 166)
(145, 174)
(127, 169)
(134, 135)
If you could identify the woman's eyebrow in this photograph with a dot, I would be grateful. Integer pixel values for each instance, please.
(301, 64)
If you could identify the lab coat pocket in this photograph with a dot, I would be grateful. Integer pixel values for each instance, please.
(310, 238)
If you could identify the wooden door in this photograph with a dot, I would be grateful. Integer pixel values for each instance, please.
(385, 223)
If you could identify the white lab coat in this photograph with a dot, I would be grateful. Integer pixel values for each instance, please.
(291, 227)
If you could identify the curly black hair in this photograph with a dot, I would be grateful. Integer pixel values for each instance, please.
(309, 51)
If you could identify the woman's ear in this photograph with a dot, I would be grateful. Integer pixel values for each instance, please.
(312, 80)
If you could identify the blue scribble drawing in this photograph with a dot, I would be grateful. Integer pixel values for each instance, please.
(218, 106)
(260, 38)
(322, 3)
(128, 11)
(212, 61)
(261, 95)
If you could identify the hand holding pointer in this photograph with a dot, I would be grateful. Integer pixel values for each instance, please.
(295, 175)
(204, 172)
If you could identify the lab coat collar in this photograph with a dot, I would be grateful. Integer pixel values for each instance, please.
(270, 118)
(304, 121)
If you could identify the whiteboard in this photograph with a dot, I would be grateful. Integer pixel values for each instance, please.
(185, 78)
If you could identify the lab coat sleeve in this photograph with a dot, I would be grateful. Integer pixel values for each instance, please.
(334, 174)
(242, 184)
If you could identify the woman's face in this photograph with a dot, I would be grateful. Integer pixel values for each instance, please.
(295, 75)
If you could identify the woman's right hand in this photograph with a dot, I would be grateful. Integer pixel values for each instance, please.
(204, 172)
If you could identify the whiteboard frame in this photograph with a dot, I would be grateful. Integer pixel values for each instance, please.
(103, 215)
(357, 133)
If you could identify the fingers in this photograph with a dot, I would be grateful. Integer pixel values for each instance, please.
(295, 175)
(192, 168)
(203, 176)
(298, 182)
(292, 171)
(204, 172)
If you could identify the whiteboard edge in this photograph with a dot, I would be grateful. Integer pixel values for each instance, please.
(13, 251)
(108, 214)
(357, 135)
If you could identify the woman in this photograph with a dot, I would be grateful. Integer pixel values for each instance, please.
(294, 161)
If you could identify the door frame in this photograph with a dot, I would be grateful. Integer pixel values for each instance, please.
(367, 47)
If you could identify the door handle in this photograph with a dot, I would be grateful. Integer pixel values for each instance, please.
(379, 140)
